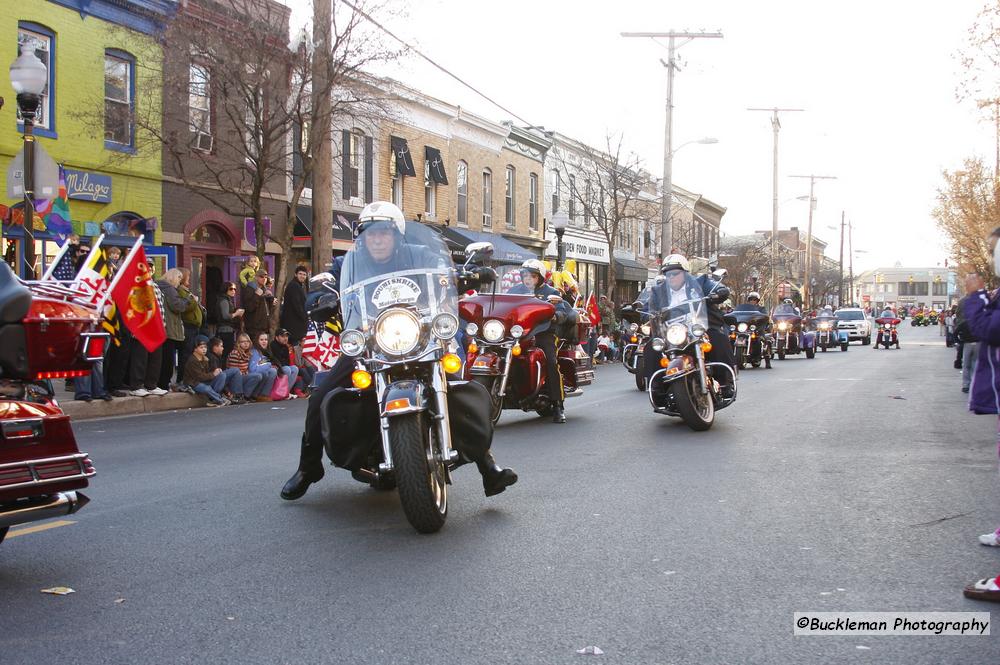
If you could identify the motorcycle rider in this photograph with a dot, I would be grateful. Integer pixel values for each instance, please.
(753, 299)
(533, 283)
(379, 250)
(676, 290)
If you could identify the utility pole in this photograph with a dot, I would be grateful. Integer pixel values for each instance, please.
(322, 192)
(666, 208)
(850, 256)
(840, 264)
(775, 127)
(806, 285)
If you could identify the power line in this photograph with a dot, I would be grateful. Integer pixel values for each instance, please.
(440, 67)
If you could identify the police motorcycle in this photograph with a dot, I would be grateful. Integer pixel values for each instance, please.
(827, 334)
(685, 384)
(791, 337)
(635, 333)
(404, 424)
(503, 356)
(750, 336)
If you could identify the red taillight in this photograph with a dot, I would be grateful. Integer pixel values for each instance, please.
(94, 345)
(66, 374)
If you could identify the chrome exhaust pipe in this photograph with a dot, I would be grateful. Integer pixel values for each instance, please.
(42, 508)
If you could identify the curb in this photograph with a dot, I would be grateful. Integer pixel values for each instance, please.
(130, 406)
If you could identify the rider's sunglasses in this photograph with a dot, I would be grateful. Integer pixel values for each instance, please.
(673, 273)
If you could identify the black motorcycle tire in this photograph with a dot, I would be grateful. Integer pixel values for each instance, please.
(810, 353)
(843, 346)
(781, 354)
(3, 533)
(823, 346)
(684, 391)
(866, 341)
(423, 490)
(740, 358)
(492, 385)
(640, 374)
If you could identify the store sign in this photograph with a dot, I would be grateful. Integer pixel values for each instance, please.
(582, 249)
(250, 230)
(87, 186)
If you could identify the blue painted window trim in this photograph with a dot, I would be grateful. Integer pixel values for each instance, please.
(130, 59)
(49, 132)
(150, 20)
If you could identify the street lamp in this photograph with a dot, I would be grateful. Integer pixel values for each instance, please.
(28, 77)
(560, 220)
(666, 208)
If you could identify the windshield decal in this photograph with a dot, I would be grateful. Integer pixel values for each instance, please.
(395, 291)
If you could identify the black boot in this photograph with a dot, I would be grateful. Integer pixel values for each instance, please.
(558, 414)
(495, 478)
(310, 471)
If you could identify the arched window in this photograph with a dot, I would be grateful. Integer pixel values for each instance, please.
(463, 193)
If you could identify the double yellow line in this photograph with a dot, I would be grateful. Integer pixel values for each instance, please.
(28, 530)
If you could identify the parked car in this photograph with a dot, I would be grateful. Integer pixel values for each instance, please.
(853, 321)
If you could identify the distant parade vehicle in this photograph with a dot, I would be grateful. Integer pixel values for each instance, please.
(791, 337)
(853, 321)
(827, 333)
(636, 331)
(750, 334)
(887, 334)
(44, 335)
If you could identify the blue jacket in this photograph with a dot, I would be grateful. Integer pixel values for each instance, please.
(982, 313)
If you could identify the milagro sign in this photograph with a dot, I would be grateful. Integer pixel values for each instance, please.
(88, 186)
(581, 249)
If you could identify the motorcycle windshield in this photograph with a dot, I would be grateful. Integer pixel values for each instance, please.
(390, 270)
(678, 303)
(785, 312)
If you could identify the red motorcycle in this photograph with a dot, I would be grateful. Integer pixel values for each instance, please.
(44, 335)
(503, 357)
(887, 335)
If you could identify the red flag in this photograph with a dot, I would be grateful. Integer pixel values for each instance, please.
(136, 301)
(592, 311)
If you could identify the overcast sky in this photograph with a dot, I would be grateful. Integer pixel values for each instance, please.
(877, 81)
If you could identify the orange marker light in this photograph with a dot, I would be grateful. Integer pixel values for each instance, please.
(706, 347)
(473, 347)
(451, 363)
(397, 404)
(361, 379)
(664, 362)
(634, 339)
(516, 351)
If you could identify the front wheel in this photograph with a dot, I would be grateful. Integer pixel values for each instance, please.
(843, 346)
(866, 341)
(3, 533)
(781, 354)
(492, 384)
(640, 374)
(420, 477)
(696, 409)
(810, 353)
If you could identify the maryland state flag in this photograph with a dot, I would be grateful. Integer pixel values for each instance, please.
(593, 311)
(133, 294)
(92, 280)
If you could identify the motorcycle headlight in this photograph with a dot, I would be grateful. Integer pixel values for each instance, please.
(742, 327)
(397, 332)
(493, 331)
(752, 328)
(645, 329)
(471, 329)
(657, 344)
(677, 334)
(732, 327)
(783, 326)
(516, 332)
(352, 342)
(445, 326)
(633, 327)
(697, 330)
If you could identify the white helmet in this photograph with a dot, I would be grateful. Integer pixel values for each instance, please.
(535, 266)
(675, 262)
(754, 296)
(381, 211)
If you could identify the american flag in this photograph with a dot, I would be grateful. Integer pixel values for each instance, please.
(65, 269)
(320, 348)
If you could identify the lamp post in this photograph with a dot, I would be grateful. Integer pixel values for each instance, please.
(28, 77)
(560, 220)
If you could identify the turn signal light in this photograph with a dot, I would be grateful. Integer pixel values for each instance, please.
(673, 370)
(452, 364)
(397, 404)
(473, 347)
(66, 374)
(664, 362)
(634, 339)
(706, 347)
(361, 379)
(516, 351)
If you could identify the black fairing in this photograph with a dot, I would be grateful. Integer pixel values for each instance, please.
(13, 351)
(15, 297)
(350, 424)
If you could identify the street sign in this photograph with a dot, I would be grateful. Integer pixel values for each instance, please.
(46, 175)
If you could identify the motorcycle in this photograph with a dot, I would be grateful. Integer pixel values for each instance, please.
(827, 334)
(750, 336)
(887, 335)
(791, 338)
(407, 421)
(503, 358)
(636, 334)
(44, 334)
(685, 385)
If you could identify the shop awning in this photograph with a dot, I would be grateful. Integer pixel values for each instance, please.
(433, 157)
(342, 223)
(630, 270)
(504, 250)
(404, 160)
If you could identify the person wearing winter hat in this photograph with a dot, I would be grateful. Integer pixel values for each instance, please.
(199, 375)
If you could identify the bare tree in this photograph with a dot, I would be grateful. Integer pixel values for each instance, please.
(612, 201)
(747, 261)
(967, 212)
(979, 59)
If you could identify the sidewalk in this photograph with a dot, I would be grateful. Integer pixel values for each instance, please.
(123, 406)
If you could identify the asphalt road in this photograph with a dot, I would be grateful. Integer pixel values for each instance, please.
(819, 490)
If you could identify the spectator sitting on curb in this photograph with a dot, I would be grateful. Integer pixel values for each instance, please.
(263, 357)
(239, 358)
(233, 387)
(282, 350)
(199, 375)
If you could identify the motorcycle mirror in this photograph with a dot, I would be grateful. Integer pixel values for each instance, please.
(719, 273)
(474, 248)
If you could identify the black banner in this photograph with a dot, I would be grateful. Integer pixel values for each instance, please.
(404, 161)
